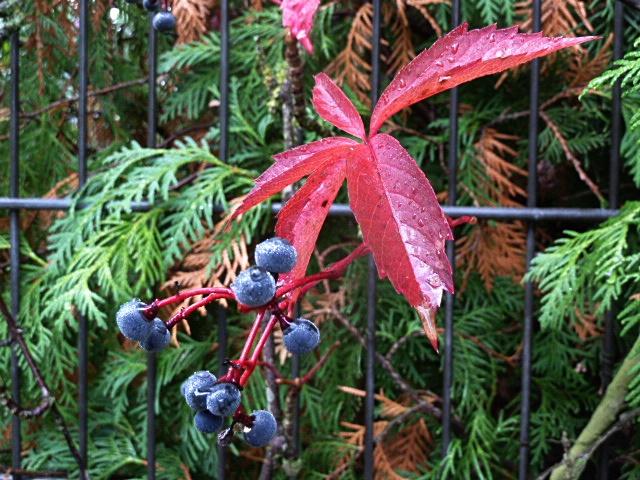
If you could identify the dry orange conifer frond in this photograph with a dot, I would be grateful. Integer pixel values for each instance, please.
(100, 9)
(586, 325)
(559, 17)
(583, 68)
(495, 249)
(192, 18)
(195, 270)
(406, 451)
(350, 66)
(496, 155)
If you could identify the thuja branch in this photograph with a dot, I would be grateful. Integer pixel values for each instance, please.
(47, 401)
(603, 417)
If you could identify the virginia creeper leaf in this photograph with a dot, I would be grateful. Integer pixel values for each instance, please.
(461, 56)
(302, 217)
(335, 107)
(297, 16)
(292, 165)
(401, 220)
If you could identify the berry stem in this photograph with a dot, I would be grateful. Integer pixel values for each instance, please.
(334, 271)
(258, 350)
(182, 314)
(152, 310)
(252, 335)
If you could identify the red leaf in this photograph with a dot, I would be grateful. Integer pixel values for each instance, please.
(401, 220)
(335, 107)
(297, 15)
(302, 217)
(292, 165)
(459, 57)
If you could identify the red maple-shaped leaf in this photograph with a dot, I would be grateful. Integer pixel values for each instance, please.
(401, 220)
(402, 223)
(335, 107)
(459, 57)
(294, 164)
(302, 217)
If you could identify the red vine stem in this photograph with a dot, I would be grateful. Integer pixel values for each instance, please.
(334, 271)
(252, 336)
(255, 357)
(178, 317)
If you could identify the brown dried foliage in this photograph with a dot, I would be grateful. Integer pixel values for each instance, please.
(566, 18)
(405, 450)
(583, 68)
(192, 18)
(195, 270)
(495, 249)
(559, 17)
(62, 13)
(352, 65)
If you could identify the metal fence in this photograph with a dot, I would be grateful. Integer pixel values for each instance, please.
(531, 214)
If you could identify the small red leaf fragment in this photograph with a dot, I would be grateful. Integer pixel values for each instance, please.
(334, 106)
(460, 57)
(304, 214)
(401, 220)
(294, 164)
(297, 16)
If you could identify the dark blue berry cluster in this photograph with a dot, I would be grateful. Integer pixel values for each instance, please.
(214, 400)
(256, 286)
(152, 334)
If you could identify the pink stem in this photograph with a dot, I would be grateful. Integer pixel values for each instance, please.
(334, 271)
(252, 336)
(178, 317)
(224, 293)
(258, 350)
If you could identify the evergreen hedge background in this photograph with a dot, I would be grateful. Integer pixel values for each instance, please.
(91, 260)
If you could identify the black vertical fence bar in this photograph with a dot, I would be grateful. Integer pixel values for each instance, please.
(83, 335)
(224, 156)
(452, 197)
(372, 276)
(532, 186)
(152, 127)
(614, 181)
(14, 191)
(608, 347)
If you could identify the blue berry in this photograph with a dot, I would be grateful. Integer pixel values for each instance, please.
(207, 422)
(223, 399)
(263, 429)
(132, 322)
(301, 336)
(276, 255)
(197, 387)
(164, 22)
(158, 338)
(254, 287)
(151, 5)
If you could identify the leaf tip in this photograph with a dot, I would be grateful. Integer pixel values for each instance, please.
(428, 318)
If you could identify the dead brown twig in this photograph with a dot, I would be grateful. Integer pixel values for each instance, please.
(48, 401)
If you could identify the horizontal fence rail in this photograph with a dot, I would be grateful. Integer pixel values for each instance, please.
(344, 210)
(532, 214)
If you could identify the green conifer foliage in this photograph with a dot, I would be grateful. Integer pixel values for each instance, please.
(103, 252)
